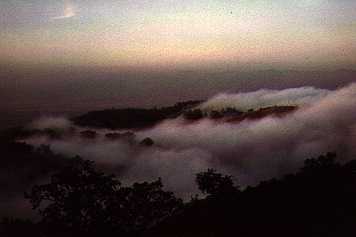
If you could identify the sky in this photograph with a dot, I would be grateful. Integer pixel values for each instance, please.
(71, 56)
(185, 33)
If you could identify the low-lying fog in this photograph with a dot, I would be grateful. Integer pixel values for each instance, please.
(251, 150)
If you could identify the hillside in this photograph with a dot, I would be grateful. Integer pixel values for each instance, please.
(138, 118)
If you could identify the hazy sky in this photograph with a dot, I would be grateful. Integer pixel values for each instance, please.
(160, 33)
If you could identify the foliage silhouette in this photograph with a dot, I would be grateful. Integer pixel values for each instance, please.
(79, 199)
(215, 184)
(147, 142)
(132, 118)
(76, 197)
(318, 200)
(194, 114)
(138, 118)
(142, 206)
(22, 165)
(10, 227)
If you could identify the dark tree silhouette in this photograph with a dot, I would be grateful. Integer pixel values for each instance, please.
(10, 227)
(147, 142)
(76, 197)
(194, 114)
(132, 117)
(213, 183)
(216, 114)
(88, 134)
(321, 164)
(143, 205)
(318, 200)
(81, 200)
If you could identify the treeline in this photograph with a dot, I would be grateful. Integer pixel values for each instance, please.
(79, 200)
(235, 115)
(137, 118)
(132, 118)
(319, 200)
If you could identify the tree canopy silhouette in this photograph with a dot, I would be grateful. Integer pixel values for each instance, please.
(80, 199)
(317, 200)
(212, 183)
(76, 197)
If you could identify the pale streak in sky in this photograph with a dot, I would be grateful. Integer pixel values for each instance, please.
(166, 33)
(68, 12)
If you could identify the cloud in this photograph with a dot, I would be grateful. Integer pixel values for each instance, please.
(270, 147)
(59, 123)
(265, 98)
(133, 163)
(250, 150)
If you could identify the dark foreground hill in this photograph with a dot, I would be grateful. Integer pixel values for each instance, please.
(318, 200)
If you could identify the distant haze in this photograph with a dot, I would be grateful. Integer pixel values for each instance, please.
(29, 93)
